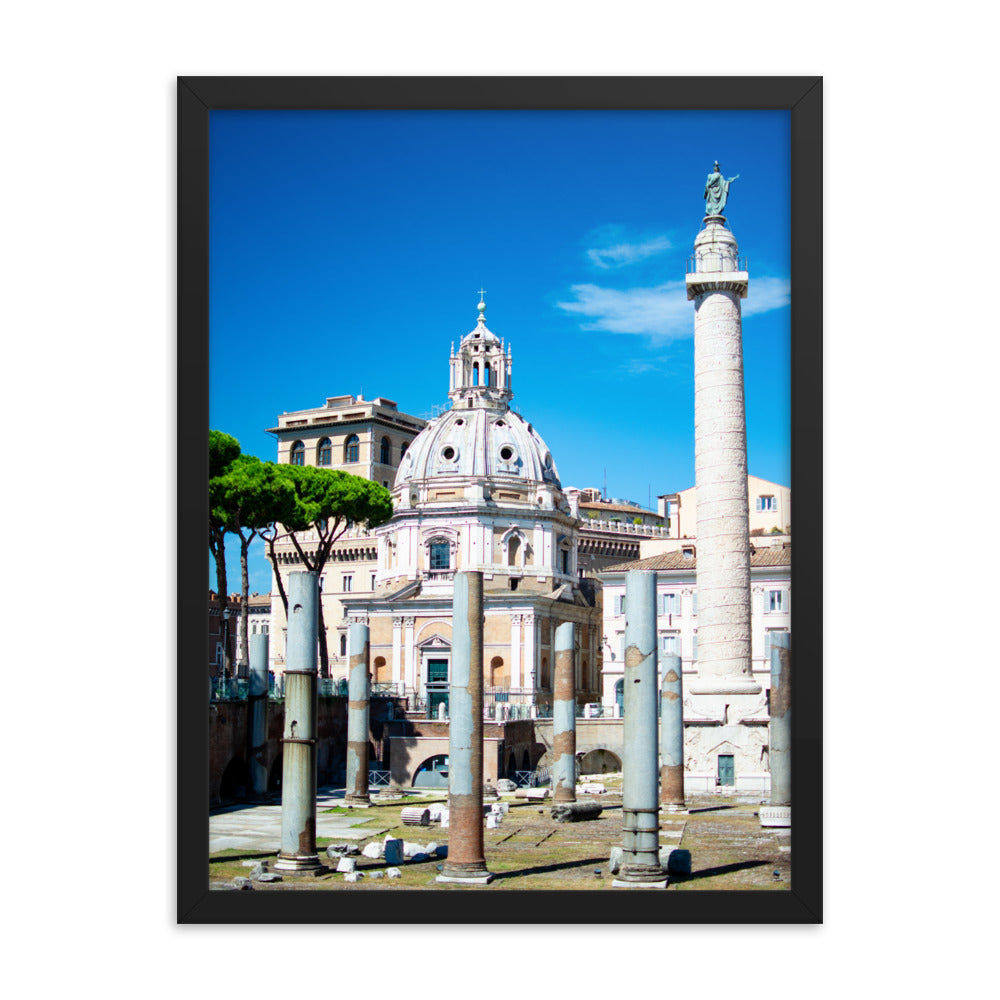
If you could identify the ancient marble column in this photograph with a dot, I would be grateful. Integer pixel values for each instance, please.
(564, 718)
(466, 861)
(671, 736)
(298, 854)
(716, 285)
(640, 809)
(779, 812)
(257, 712)
(358, 694)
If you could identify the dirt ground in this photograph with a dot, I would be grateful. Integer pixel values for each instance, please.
(728, 850)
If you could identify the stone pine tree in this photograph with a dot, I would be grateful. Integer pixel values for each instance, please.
(327, 502)
(250, 498)
(223, 450)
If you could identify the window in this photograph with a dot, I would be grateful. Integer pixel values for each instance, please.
(766, 503)
(694, 646)
(402, 449)
(620, 604)
(694, 603)
(373, 581)
(322, 579)
(343, 644)
(324, 454)
(298, 453)
(265, 628)
(440, 555)
(386, 449)
(348, 584)
(670, 604)
(565, 561)
(777, 601)
(670, 644)
(352, 448)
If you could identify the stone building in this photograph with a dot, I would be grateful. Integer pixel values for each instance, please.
(258, 620)
(770, 507)
(478, 489)
(365, 438)
(724, 743)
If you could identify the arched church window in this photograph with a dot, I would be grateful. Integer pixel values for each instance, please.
(324, 454)
(298, 453)
(440, 554)
(352, 448)
(486, 374)
(475, 373)
(385, 452)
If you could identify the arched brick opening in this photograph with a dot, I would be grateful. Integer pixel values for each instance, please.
(381, 673)
(600, 761)
(234, 780)
(498, 672)
(274, 775)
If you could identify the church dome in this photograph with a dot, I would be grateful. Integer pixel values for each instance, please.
(480, 442)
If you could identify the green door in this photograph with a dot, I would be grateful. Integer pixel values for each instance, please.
(727, 770)
(437, 687)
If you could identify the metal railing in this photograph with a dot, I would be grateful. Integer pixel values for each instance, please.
(378, 779)
(712, 263)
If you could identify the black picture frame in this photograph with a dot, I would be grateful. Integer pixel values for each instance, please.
(196, 98)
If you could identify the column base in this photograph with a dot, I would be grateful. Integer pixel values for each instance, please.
(468, 879)
(775, 816)
(673, 807)
(620, 883)
(723, 685)
(641, 877)
(306, 864)
(357, 802)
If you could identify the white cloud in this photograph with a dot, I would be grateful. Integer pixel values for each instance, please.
(663, 312)
(621, 254)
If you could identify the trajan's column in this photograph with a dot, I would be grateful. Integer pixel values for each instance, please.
(717, 282)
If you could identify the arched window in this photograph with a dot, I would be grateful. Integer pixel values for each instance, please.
(496, 672)
(486, 374)
(380, 671)
(343, 644)
(298, 453)
(384, 456)
(402, 449)
(324, 453)
(352, 448)
(440, 554)
(513, 547)
(475, 373)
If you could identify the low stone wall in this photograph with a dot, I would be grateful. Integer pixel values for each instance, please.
(227, 743)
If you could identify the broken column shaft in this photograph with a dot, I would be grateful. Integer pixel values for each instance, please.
(358, 694)
(257, 711)
(640, 809)
(671, 735)
(564, 718)
(466, 861)
(780, 755)
(298, 780)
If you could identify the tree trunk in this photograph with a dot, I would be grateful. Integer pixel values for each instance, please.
(277, 574)
(324, 656)
(217, 546)
(243, 666)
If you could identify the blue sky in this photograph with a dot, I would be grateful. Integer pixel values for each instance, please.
(347, 248)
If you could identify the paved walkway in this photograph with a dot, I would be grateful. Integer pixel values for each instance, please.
(258, 828)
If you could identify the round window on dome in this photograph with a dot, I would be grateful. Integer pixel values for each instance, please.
(459, 423)
(449, 453)
(548, 460)
(507, 453)
(499, 423)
